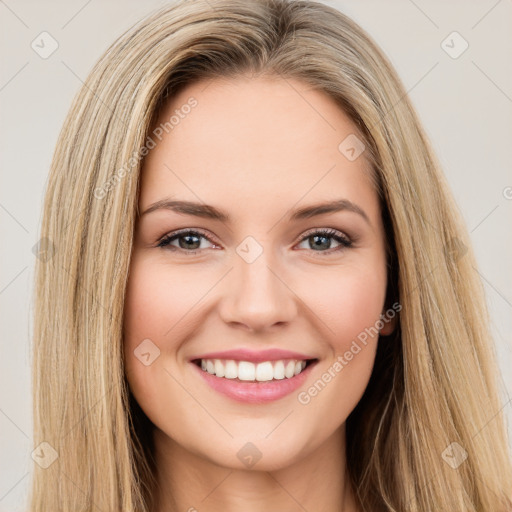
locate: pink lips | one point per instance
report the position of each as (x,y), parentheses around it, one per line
(254,392)
(271,354)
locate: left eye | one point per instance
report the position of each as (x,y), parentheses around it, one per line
(190,241)
(317,239)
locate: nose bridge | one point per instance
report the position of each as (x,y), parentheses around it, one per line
(257,295)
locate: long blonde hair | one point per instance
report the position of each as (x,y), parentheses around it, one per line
(435,380)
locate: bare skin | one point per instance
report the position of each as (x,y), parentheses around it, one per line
(258,149)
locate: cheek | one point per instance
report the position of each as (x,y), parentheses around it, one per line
(154,304)
(349,303)
(356,307)
(350,309)
(159,302)
(162,307)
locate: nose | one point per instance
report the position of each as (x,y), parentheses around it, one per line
(257,296)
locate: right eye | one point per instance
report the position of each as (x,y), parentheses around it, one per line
(189,241)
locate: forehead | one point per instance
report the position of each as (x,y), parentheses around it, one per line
(253,142)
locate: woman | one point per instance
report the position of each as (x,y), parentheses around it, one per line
(256,370)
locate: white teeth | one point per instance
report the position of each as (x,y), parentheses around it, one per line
(248,371)
(219,368)
(279,370)
(264,371)
(231,370)
(289,372)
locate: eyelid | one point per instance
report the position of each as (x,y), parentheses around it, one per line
(198,231)
(331,231)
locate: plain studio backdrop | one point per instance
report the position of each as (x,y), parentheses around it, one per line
(453,58)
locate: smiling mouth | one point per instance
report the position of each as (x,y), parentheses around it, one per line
(247,371)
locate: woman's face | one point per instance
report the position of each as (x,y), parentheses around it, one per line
(256,291)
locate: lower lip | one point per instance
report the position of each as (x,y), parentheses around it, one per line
(255,392)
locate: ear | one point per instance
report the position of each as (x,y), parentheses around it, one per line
(389,323)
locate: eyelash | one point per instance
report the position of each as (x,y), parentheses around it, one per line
(344,241)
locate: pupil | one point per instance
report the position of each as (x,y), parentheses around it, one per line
(187,238)
(315,237)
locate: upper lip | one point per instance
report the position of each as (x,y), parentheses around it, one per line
(271,354)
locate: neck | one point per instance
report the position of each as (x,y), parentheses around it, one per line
(191,483)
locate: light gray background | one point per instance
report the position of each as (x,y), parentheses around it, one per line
(464,103)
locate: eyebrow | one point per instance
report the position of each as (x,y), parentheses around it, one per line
(211,212)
